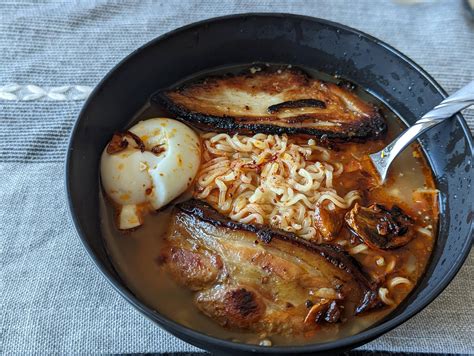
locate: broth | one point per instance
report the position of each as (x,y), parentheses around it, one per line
(134,254)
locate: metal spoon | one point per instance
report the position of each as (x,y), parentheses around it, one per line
(461,99)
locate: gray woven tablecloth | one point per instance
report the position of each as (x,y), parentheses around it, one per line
(52,299)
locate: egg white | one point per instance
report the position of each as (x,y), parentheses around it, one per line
(140,181)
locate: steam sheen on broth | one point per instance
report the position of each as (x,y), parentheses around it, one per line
(410,185)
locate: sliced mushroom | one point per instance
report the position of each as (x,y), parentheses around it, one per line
(333,314)
(380,227)
(328,220)
(324,310)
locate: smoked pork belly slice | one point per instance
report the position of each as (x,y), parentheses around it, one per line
(274,102)
(251,277)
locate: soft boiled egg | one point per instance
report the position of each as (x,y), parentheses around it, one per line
(151,164)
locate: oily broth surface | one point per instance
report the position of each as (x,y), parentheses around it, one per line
(134,253)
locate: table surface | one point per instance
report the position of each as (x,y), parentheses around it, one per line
(52,299)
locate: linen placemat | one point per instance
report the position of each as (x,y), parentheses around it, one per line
(52,299)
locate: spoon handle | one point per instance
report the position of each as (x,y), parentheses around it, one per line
(461,99)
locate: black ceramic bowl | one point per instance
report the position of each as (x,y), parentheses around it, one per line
(277,38)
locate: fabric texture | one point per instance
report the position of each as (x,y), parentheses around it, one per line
(52,298)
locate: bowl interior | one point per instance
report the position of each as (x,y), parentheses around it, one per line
(296,40)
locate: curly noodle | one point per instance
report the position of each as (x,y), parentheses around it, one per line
(269,179)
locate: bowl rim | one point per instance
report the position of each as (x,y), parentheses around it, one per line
(198,338)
